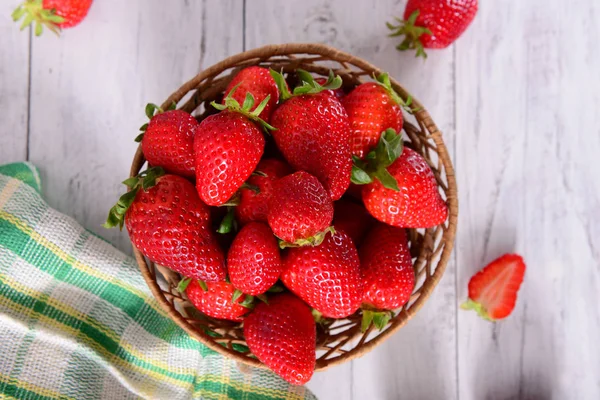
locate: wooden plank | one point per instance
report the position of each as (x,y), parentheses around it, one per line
(14,84)
(527,143)
(89,89)
(404,366)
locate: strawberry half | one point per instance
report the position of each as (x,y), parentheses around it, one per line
(493,290)
(169,224)
(259,82)
(215,300)
(283,334)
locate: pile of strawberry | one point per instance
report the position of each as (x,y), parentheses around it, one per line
(284,207)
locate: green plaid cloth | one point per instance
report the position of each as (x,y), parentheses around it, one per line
(77,320)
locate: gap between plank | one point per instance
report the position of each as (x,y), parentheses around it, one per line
(27,133)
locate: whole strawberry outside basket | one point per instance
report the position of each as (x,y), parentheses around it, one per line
(342,340)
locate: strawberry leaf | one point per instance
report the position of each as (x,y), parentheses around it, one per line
(386,179)
(183,284)
(263,298)
(276,288)
(281,85)
(359,176)
(237,293)
(315,240)
(203,285)
(32,11)
(310,85)
(260,173)
(367,320)
(228,222)
(248,302)
(381,319)
(411,32)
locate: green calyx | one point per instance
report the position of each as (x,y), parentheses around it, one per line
(478,308)
(183,284)
(375,164)
(309,84)
(33,11)
(411,33)
(151,110)
(228,223)
(378,318)
(384,80)
(247,108)
(145,180)
(311,241)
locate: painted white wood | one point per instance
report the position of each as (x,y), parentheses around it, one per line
(527,144)
(426,345)
(89,89)
(14,83)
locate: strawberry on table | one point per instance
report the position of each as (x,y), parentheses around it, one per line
(282,334)
(259,82)
(400,188)
(493,290)
(300,210)
(170,225)
(253,260)
(313,131)
(353,219)
(326,276)
(433,24)
(215,300)
(53,14)
(254,206)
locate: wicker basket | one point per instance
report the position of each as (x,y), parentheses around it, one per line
(341,341)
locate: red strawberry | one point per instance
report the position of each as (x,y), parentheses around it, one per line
(168,142)
(353,219)
(53,14)
(253,259)
(169,224)
(327,276)
(215,300)
(387,268)
(338,93)
(283,334)
(404,192)
(259,82)
(300,210)
(433,24)
(372,108)
(493,290)
(254,206)
(312,132)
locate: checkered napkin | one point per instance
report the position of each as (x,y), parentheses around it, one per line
(77,320)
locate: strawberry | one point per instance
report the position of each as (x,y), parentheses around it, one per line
(215,300)
(260,83)
(433,24)
(300,210)
(353,219)
(283,335)
(254,206)
(312,131)
(168,140)
(253,259)
(227,148)
(53,14)
(338,93)
(404,192)
(372,108)
(169,224)
(326,276)
(493,290)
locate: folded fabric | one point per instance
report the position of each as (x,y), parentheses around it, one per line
(77,320)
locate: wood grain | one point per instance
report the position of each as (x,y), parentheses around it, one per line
(427,344)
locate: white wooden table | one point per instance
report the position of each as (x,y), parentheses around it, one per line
(518,100)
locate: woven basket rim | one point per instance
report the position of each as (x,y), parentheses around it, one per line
(424,118)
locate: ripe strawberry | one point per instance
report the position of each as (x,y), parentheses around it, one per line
(254,206)
(300,210)
(215,300)
(404,192)
(387,269)
(353,219)
(283,334)
(327,276)
(168,142)
(372,108)
(493,290)
(169,224)
(312,132)
(260,83)
(53,14)
(433,24)
(338,93)
(253,260)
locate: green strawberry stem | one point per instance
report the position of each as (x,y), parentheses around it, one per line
(478,308)
(228,223)
(310,241)
(183,284)
(151,110)
(245,109)
(248,301)
(411,33)
(378,318)
(237,293)
(384,80)
(309,84)
(375,164)
(33,11)
(144,180)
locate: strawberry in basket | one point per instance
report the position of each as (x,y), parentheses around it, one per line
(258,82)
